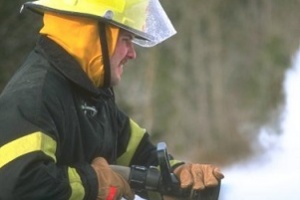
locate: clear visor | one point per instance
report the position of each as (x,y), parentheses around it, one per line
(157,25)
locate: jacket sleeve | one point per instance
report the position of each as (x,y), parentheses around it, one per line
(137,148)
(29,143)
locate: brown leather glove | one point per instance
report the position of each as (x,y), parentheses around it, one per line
(198,176)
(111,185)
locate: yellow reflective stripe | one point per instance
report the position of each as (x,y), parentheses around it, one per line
(137,134)
(76,184)
(174,162)
(36,141)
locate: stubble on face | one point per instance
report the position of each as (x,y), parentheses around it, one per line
(123,51)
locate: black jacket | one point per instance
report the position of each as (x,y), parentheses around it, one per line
(54,122)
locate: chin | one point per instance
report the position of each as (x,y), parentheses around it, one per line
(115,82)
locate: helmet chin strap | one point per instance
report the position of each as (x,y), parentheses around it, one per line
(105,54)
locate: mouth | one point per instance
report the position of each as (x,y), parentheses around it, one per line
(123,62)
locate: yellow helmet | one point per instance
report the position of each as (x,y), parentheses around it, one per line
(146,19)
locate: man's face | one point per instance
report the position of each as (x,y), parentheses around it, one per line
(124,51)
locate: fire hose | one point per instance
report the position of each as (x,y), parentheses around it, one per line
(162,180)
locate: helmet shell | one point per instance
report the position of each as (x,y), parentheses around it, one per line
(146,19)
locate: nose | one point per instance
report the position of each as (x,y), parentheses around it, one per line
(131,54)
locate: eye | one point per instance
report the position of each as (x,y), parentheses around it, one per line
(128,38)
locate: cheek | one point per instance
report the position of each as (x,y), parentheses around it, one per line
(115,58)
(121,54)
(120,51)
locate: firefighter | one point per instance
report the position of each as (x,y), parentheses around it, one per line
(60,127)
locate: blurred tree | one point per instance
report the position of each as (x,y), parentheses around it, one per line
(18,33)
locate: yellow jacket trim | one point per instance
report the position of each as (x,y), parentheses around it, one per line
(137,134)
(36,141)
(175,162)
(76,184)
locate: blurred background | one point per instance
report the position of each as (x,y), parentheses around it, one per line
(208,90)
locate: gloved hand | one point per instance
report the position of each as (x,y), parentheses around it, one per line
(111,185)
(198,176)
